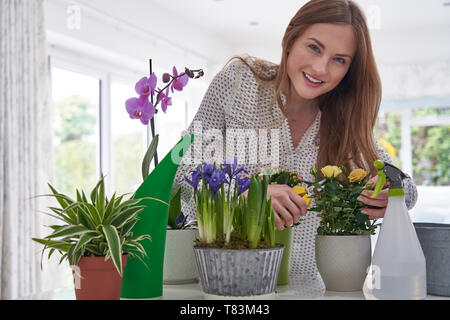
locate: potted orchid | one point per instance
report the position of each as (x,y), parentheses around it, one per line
(138,281)
(236,232)
(343,245)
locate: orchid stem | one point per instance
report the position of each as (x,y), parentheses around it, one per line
(152,120)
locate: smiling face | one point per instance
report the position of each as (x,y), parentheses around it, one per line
(319,59)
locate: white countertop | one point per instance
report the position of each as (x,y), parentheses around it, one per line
(193,291)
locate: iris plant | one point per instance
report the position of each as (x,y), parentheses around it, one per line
(222,209)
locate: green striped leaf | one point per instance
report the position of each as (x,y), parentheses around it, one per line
(94,214)
(114,246)
(68,231)
(58,245)
(86,238)
(126,215)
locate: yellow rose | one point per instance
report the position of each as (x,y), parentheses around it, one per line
(331,171)
(357,175)
(307,199)
(301,191)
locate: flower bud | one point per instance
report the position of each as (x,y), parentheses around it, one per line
(166,77)
(189,73)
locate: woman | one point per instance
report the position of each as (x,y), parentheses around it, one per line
(319,104)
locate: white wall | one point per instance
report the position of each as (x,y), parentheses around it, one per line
(126,41)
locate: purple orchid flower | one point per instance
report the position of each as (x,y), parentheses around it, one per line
(140,108)
(165,100)
(146,86)
(180,82)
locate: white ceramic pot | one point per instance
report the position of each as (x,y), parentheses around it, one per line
(179,259)
(343,261)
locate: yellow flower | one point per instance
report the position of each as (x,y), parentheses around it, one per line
(301,191)
(331,171)
(357,175)
(388,147)
(307,199)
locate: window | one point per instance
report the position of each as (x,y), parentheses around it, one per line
(418,140)
(129,140)
(76,130)
(169,125)
(431,149)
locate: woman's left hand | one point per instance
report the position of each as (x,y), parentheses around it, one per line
(380,200)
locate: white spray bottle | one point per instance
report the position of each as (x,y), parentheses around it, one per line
(398,269)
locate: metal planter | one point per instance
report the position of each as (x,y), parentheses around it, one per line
(238,273)
(434,239)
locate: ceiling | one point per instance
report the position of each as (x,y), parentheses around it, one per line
(402,30)
(232,20)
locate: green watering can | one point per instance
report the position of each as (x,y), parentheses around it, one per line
(138,281)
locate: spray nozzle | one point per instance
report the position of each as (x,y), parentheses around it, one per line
(389,172)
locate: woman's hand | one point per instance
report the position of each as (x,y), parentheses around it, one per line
(286,204)
(380,200)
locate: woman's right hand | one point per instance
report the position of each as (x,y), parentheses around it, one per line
(286,204)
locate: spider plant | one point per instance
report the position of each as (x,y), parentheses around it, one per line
(96,226)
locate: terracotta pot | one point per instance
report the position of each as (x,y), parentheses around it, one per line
(97,279)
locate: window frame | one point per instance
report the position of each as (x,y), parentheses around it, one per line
(405,107)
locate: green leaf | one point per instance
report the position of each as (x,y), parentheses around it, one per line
(127,227)
(151,151)
(68,231)
(126,216)
(101,199)
(94,214)
(86,238)
(174,207)
(114,246)
(109,207)
(95,190)
(58,245)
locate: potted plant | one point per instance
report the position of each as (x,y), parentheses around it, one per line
(179,244)
(343,246)
(292,179)
(96,239)
(236,254)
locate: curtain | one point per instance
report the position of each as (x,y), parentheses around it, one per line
(25,143)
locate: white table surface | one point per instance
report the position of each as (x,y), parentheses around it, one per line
(192,291)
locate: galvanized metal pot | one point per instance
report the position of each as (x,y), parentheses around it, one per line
(239,272)
(342,261)
(434,239)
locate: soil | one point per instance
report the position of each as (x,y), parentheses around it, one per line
(235,243)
